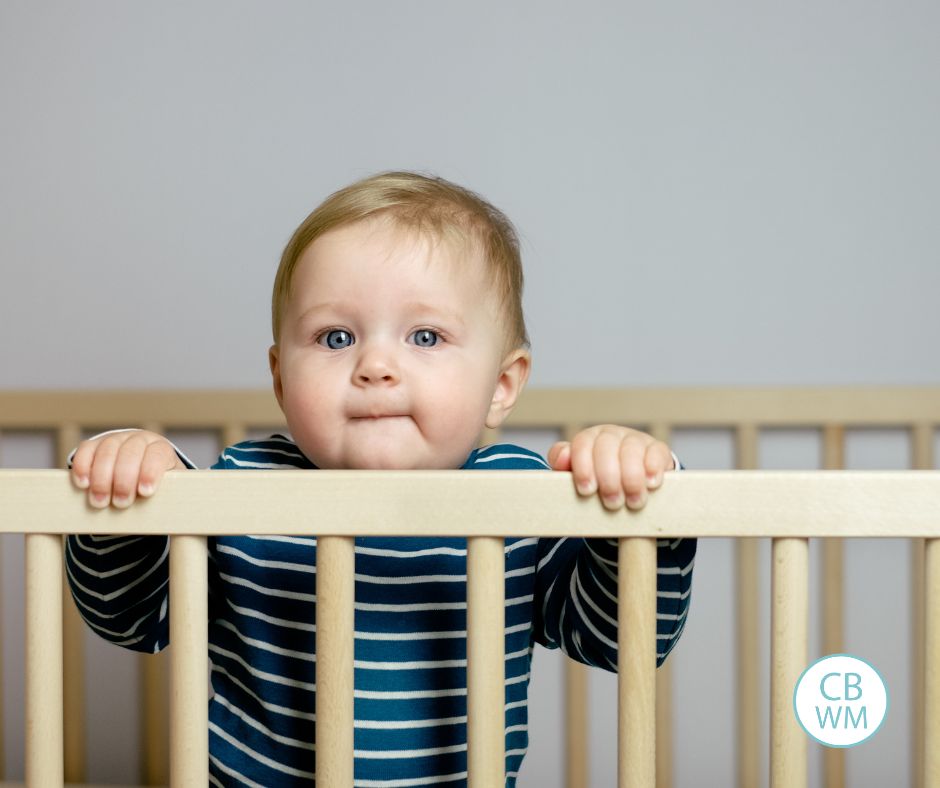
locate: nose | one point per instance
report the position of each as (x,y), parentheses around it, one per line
(376,366)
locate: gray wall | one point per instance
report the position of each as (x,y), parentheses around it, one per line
(720,193)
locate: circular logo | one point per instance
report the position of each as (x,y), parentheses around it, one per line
(840,700)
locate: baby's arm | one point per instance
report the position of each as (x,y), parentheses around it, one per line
(116,467)
(577,579)
(120,583)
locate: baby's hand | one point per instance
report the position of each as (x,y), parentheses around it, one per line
(619,463)
(118,466)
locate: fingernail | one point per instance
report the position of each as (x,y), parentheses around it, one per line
(81,482)
(120,501)
(635,501)
(99,500)
(145,489)
(654,480)
(586,488)
(613,501)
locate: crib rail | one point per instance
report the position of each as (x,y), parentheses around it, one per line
(487,503)
(788,507)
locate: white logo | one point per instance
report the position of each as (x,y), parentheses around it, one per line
(840,700)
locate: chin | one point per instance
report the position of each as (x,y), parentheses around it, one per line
(391,464)
(396,458)
(379,456)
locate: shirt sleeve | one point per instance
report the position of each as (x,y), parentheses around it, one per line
(120,584)
(576,597)
(576,585)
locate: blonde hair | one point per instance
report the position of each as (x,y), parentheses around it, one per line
(428,205)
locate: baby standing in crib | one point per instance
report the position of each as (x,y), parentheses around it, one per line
(398,336)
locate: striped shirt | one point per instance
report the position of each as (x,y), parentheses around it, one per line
(410,701)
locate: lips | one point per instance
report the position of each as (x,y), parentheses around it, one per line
(375,410)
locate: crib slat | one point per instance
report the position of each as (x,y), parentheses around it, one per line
(486,662)
(918,645)
(154,670)
(748,619)
(490,436)
(833,613)
(73,632)
(336,587)
(922,460)
(189,655)
(664,727)
(68,436)
(931,741)
(3,767)
(154,718)
(576,722)
(636,663)
(44,728)
(789,645)
(577,715)
(832,582)
(747,691)
(664,681)
(232,433)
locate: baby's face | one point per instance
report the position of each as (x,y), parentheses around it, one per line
(391,351)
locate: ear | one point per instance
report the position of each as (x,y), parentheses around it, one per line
(275,364)
(513,375)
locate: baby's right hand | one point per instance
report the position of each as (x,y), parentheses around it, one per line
(117,467)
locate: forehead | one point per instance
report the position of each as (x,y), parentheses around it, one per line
(368,253)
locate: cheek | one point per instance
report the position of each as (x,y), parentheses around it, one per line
(457,402)
(308,401)
(305,377)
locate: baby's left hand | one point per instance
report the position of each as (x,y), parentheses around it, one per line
(619,463)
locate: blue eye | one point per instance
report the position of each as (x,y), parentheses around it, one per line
(425,337)
(337,339)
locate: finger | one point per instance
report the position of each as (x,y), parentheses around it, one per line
(607,468)
(658,461)
(582,461)
(159,458)
(127,470)
(559,456)
(101,471)
(632,469)
(81,463)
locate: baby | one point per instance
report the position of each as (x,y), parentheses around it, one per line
(398,337)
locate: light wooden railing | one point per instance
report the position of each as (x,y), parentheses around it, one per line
(788,507)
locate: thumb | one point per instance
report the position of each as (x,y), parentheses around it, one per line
(559,456)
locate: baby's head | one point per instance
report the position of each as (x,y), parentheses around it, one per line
(398,325)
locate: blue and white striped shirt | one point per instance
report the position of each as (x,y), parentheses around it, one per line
(410,633)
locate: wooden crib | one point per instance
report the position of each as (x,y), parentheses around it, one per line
(787,507)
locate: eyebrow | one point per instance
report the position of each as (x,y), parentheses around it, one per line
(417,306)
(326,305)
(420,306)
